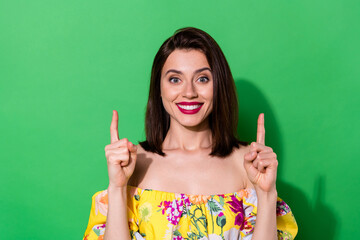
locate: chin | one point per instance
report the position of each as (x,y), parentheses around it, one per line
(191,123)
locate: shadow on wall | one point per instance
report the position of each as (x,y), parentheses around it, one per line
(315,220)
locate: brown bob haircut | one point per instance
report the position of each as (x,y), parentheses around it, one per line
(224,117)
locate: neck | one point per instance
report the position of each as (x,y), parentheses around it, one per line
(194,138)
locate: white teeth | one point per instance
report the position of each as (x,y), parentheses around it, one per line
(189,107)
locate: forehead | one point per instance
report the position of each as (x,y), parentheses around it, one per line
(185,60)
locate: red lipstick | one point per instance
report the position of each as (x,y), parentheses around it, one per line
(189,107)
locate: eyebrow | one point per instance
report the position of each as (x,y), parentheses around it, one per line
(179,72)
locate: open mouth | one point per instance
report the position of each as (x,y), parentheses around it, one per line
(189,107)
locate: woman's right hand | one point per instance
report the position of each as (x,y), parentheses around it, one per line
(120,155)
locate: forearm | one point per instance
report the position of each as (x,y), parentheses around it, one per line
(117,220)
(265,226)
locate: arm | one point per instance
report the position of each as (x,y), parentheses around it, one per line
(261,164)
(265,227)
(121,159)
(117,223)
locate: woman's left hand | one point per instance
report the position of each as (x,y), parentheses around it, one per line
(261,162)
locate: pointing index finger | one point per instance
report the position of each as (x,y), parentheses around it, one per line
(260,138)
(114,134)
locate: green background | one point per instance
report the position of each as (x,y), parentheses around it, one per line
(65,65)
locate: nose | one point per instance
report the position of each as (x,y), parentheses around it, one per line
(189,90)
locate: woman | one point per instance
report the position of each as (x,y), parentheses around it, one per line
(191,178)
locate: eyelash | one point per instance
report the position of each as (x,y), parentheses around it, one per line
(207,79)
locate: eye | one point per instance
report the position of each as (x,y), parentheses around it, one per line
(203,79)
(174,80)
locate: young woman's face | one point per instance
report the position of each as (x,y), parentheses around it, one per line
(187,87)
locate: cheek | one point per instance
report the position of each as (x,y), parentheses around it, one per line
(207,93)
(168,94)
(168,98)
(209,96)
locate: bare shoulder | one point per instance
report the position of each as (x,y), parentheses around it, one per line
(238,153)
(238,158)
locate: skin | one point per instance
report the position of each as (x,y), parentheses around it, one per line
(187,145)
(187,131)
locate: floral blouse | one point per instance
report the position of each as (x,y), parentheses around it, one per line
(154,214)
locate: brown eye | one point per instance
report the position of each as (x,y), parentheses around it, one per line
(174,80)
(203,79)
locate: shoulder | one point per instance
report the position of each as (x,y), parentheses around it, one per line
(143,160)
(238,153)
(237,156)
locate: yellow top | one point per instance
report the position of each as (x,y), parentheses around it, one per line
(155,214)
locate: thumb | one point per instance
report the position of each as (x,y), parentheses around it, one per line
(132,148)
(249,157)
(248,164)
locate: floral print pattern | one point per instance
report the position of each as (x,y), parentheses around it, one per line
(174,209)
(154,214)
(284,235)
(236,206)
(101,203)
(282,208)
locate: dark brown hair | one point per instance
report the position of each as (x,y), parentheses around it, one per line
(224,116)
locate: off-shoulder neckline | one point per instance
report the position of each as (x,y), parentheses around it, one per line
(193,195)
